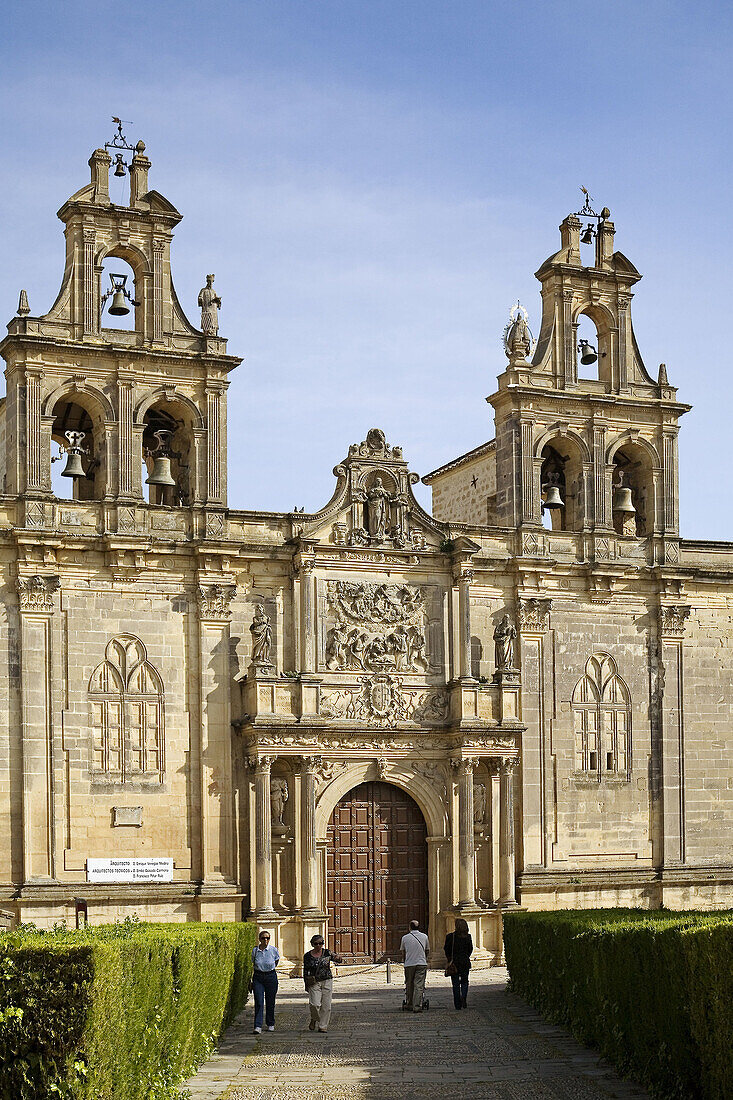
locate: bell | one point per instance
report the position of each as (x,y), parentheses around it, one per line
(588,353)
(119,166)
(553,498)
(622,501)
(586,237)
(119,307)
(161,474)
(73,467)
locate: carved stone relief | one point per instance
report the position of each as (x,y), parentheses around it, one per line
(533,614)
(377,628)
(381,701)
(36,593)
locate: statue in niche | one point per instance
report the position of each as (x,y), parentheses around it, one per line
(279,795)
(504,638)
(261,637)
(210,304)
(378,509)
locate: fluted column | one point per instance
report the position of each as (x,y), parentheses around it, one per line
(507,873)
(464,623)
(309,855)
(263,834)
(466,848)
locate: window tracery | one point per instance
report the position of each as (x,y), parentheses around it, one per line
(127,714)
(602,720)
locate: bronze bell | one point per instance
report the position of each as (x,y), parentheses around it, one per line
(588,353)
(119,307)
(119,165)
(587,235)
(73,467)
(553,498)
(622,501)
(161,474)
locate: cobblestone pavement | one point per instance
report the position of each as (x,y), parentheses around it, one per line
(497,1049)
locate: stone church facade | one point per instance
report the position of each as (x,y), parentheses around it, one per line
(337,721)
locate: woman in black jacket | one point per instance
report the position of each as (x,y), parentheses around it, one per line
(318,979)
(458,950)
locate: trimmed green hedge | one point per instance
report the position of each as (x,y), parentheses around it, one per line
(652,990)
(116,1012)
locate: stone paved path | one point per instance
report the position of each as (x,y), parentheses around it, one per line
(498,1049)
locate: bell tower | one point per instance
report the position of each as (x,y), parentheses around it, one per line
(577,453)
(133,411)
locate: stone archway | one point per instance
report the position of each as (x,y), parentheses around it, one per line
(376,871)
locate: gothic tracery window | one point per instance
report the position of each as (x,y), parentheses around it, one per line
(127,712)
(602,720)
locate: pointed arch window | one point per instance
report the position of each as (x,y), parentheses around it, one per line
(602,720)
(127,715)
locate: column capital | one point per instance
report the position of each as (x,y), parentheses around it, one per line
(310,763)
(533,614)
(36,593)
(261,764)
(214,601)
(464,765)
(507,765)
(672,618)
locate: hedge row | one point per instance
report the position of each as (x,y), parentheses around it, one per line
(653,991)
(116,1012)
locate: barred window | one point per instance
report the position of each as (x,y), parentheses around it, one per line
(127,712)
(602,720)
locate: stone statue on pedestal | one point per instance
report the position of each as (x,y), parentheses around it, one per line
(210,303)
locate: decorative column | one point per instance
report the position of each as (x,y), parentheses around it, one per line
(215,761)
(125,467)
(507,873)
(464,623)
(263,835)
(669,762)
(466,846)
(307,637)
(533,621)
(36,477)
(213,423)
(89,280)
(158,262)
(309,855)
(35,601)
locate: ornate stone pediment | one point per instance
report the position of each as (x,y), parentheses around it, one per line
(373,506)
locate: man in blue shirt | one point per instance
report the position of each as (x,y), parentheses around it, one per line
(264,981)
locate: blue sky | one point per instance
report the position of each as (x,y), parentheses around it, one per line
(374,185)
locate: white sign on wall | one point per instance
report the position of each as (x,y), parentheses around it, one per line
(130,870)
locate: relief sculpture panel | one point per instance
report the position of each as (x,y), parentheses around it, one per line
(375,628)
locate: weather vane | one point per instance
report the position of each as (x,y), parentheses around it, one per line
(119,141)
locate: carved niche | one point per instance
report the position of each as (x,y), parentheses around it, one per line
(378,628)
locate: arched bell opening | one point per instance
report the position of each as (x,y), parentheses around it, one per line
(561,483)
(632,501)
(592,341)
(120,295)
(78,466)
(168,474)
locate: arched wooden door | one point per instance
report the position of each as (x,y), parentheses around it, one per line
(376,872)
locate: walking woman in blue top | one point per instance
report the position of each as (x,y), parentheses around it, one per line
(264,982)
